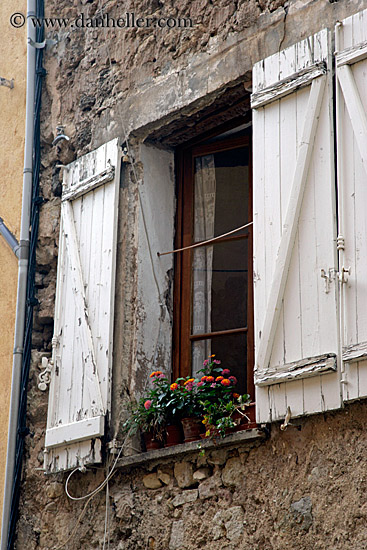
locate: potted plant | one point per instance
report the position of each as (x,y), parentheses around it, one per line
(221,405)
(187,406)
(153,414)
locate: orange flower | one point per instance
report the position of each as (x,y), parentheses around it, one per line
(210,378)
(219,378)
(236,395)
(204,378)
(155,373)
(212,355)
(189,381)
(174,386)
(225,382)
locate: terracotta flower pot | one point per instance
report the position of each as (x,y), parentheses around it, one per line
(191,428)
(150,441)
(245,423)
(173,435)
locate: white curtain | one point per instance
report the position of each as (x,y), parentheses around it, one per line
(204,213)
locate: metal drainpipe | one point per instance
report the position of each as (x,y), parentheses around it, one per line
(9,238)
(22,272)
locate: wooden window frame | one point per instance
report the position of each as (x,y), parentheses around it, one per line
(182,337)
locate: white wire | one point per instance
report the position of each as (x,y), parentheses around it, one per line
(100,487)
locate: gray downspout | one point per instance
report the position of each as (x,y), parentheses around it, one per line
(9,238)
(23,254)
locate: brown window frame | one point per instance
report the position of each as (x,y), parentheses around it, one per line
(182,337)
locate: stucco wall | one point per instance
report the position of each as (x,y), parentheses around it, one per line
(12,121)
(298,489)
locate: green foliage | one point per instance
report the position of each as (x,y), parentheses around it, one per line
(211,396)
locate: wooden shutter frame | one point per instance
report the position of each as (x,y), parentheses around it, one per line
(73,443)
(292,383)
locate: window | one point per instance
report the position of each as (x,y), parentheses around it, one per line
(213,282)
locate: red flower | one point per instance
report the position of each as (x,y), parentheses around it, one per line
(174,386)
(233,379)
(225,382)
(210,378)
(204,378)
(147,404)
(219,378)
(199,384)
(236,395)
(225,371)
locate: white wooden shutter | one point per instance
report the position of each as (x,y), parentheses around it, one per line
(351,74)
(296,339)
(83,328)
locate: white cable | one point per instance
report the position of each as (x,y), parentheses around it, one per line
(100,487)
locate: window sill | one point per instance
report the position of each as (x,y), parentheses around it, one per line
(195,446)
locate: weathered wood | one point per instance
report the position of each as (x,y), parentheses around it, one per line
(87,185)
(305,322)
(81,307)
(351,55)
(297,370)
(355,352)
(75,431)
(82,352)
(351,66)
(290,225)
(355,109)
(287,86)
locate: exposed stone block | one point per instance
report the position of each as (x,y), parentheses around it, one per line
(302,512)
(232,471)
(164,477)
(209,487)
(151,481)
(201,473)
(184,475)
(229,523)
(177,535)
(185,497)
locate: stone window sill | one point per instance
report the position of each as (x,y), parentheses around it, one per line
(195,446)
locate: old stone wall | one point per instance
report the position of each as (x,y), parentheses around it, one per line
(304,488)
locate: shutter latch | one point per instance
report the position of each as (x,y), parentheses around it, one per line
(44,377)
(329,277)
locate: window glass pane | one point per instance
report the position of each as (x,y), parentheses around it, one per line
(221,191)
(230,350)
(219,293)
